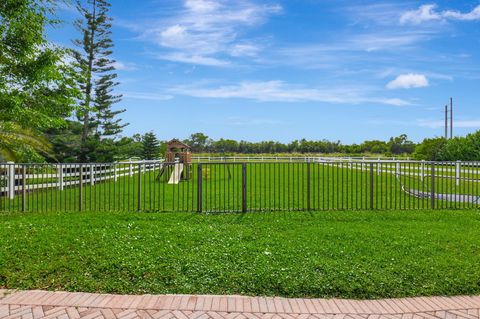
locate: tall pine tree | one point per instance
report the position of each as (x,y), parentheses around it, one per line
(96,77)
(150,146)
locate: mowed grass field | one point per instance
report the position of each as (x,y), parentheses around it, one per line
(269,187)
(297,254)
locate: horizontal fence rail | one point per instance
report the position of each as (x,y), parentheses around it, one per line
(231,186)
(241,159)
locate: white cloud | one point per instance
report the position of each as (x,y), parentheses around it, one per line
(244,49)
(395,101)
(210,30)
(424,13)
(201,5)
(408,81)
(279,91)
(194,59)
(428,12)
(121,66)
(470,16)
(387,41)
(352,52)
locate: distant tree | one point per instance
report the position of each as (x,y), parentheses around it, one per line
(462,148)
(225,146)
(150,146)
(401,145)
(374,147)
(96,76)
(66,142)
(36,88)
(429,149)
(199,142)
(129,147)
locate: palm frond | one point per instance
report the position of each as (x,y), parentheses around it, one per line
(16,140)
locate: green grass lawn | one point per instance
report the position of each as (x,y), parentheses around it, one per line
(323,254)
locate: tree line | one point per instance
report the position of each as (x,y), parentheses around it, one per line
(149,146)
(431,149)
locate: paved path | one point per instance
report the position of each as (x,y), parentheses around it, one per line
(62,305)
(457,198)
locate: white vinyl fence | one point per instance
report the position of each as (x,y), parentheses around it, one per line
(36,177)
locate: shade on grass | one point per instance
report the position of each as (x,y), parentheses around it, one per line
(325,254)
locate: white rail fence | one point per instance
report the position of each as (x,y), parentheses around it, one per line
(59,176)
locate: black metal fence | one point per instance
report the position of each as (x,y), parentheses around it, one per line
(239,187)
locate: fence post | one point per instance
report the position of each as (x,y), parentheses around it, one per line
(244,187)
(397,168)
(130,168)
(60,176)
(432,190)
(11,180)
(80,199)
(139,188)
(199,188)
(422,174)
(92,175)
(371,186)
(115,177)
(24,188)
(378,166)
(457,172)
(308,186)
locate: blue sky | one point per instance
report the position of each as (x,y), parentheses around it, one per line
(290,69)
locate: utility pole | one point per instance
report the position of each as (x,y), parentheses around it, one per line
(447,111)
(451,117)
(446,121)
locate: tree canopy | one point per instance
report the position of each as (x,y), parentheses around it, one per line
(37,89)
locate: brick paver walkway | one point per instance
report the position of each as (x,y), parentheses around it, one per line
(63,305)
